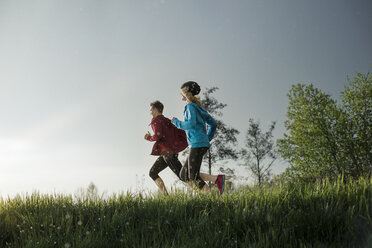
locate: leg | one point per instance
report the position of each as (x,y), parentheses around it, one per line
(207,177)
(184,176)
(219,180)
(174,164)
(158,166)
(161,185)
(195,160)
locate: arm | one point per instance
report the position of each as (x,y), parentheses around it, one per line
(212,126)
(190,119)
(158,132)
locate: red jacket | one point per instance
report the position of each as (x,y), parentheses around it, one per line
(168,138)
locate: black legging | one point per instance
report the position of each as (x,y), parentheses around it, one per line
(163,162)
(191,168)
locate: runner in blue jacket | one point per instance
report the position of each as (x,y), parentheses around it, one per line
(196,119)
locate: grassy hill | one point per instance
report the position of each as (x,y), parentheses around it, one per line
(318,215)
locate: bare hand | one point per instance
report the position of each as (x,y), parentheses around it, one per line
(147,135)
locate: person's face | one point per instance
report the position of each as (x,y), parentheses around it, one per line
(184,98)
(153,111)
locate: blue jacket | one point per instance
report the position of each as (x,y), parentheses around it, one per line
(195,120)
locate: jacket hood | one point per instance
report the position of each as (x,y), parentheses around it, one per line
(201,110)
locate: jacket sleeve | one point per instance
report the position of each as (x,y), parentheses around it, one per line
(189,119)
(212,126)
(158,132)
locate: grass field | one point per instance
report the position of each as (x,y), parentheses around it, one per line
(319,215)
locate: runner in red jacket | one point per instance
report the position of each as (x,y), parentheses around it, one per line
(169,141)
(168,138)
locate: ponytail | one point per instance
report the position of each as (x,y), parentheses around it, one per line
(190,97)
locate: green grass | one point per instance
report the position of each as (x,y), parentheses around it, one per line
(319,215)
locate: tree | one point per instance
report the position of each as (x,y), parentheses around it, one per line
(310,146)
(90,193)
(260,153)
(326,139)
(357,106)
(224,143)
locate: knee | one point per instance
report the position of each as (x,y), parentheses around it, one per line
(153,175)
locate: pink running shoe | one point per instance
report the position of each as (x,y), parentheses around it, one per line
(220,183)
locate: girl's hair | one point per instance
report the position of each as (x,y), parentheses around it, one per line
(190,96)
(191,90)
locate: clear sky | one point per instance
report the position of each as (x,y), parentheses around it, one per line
(77,77)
